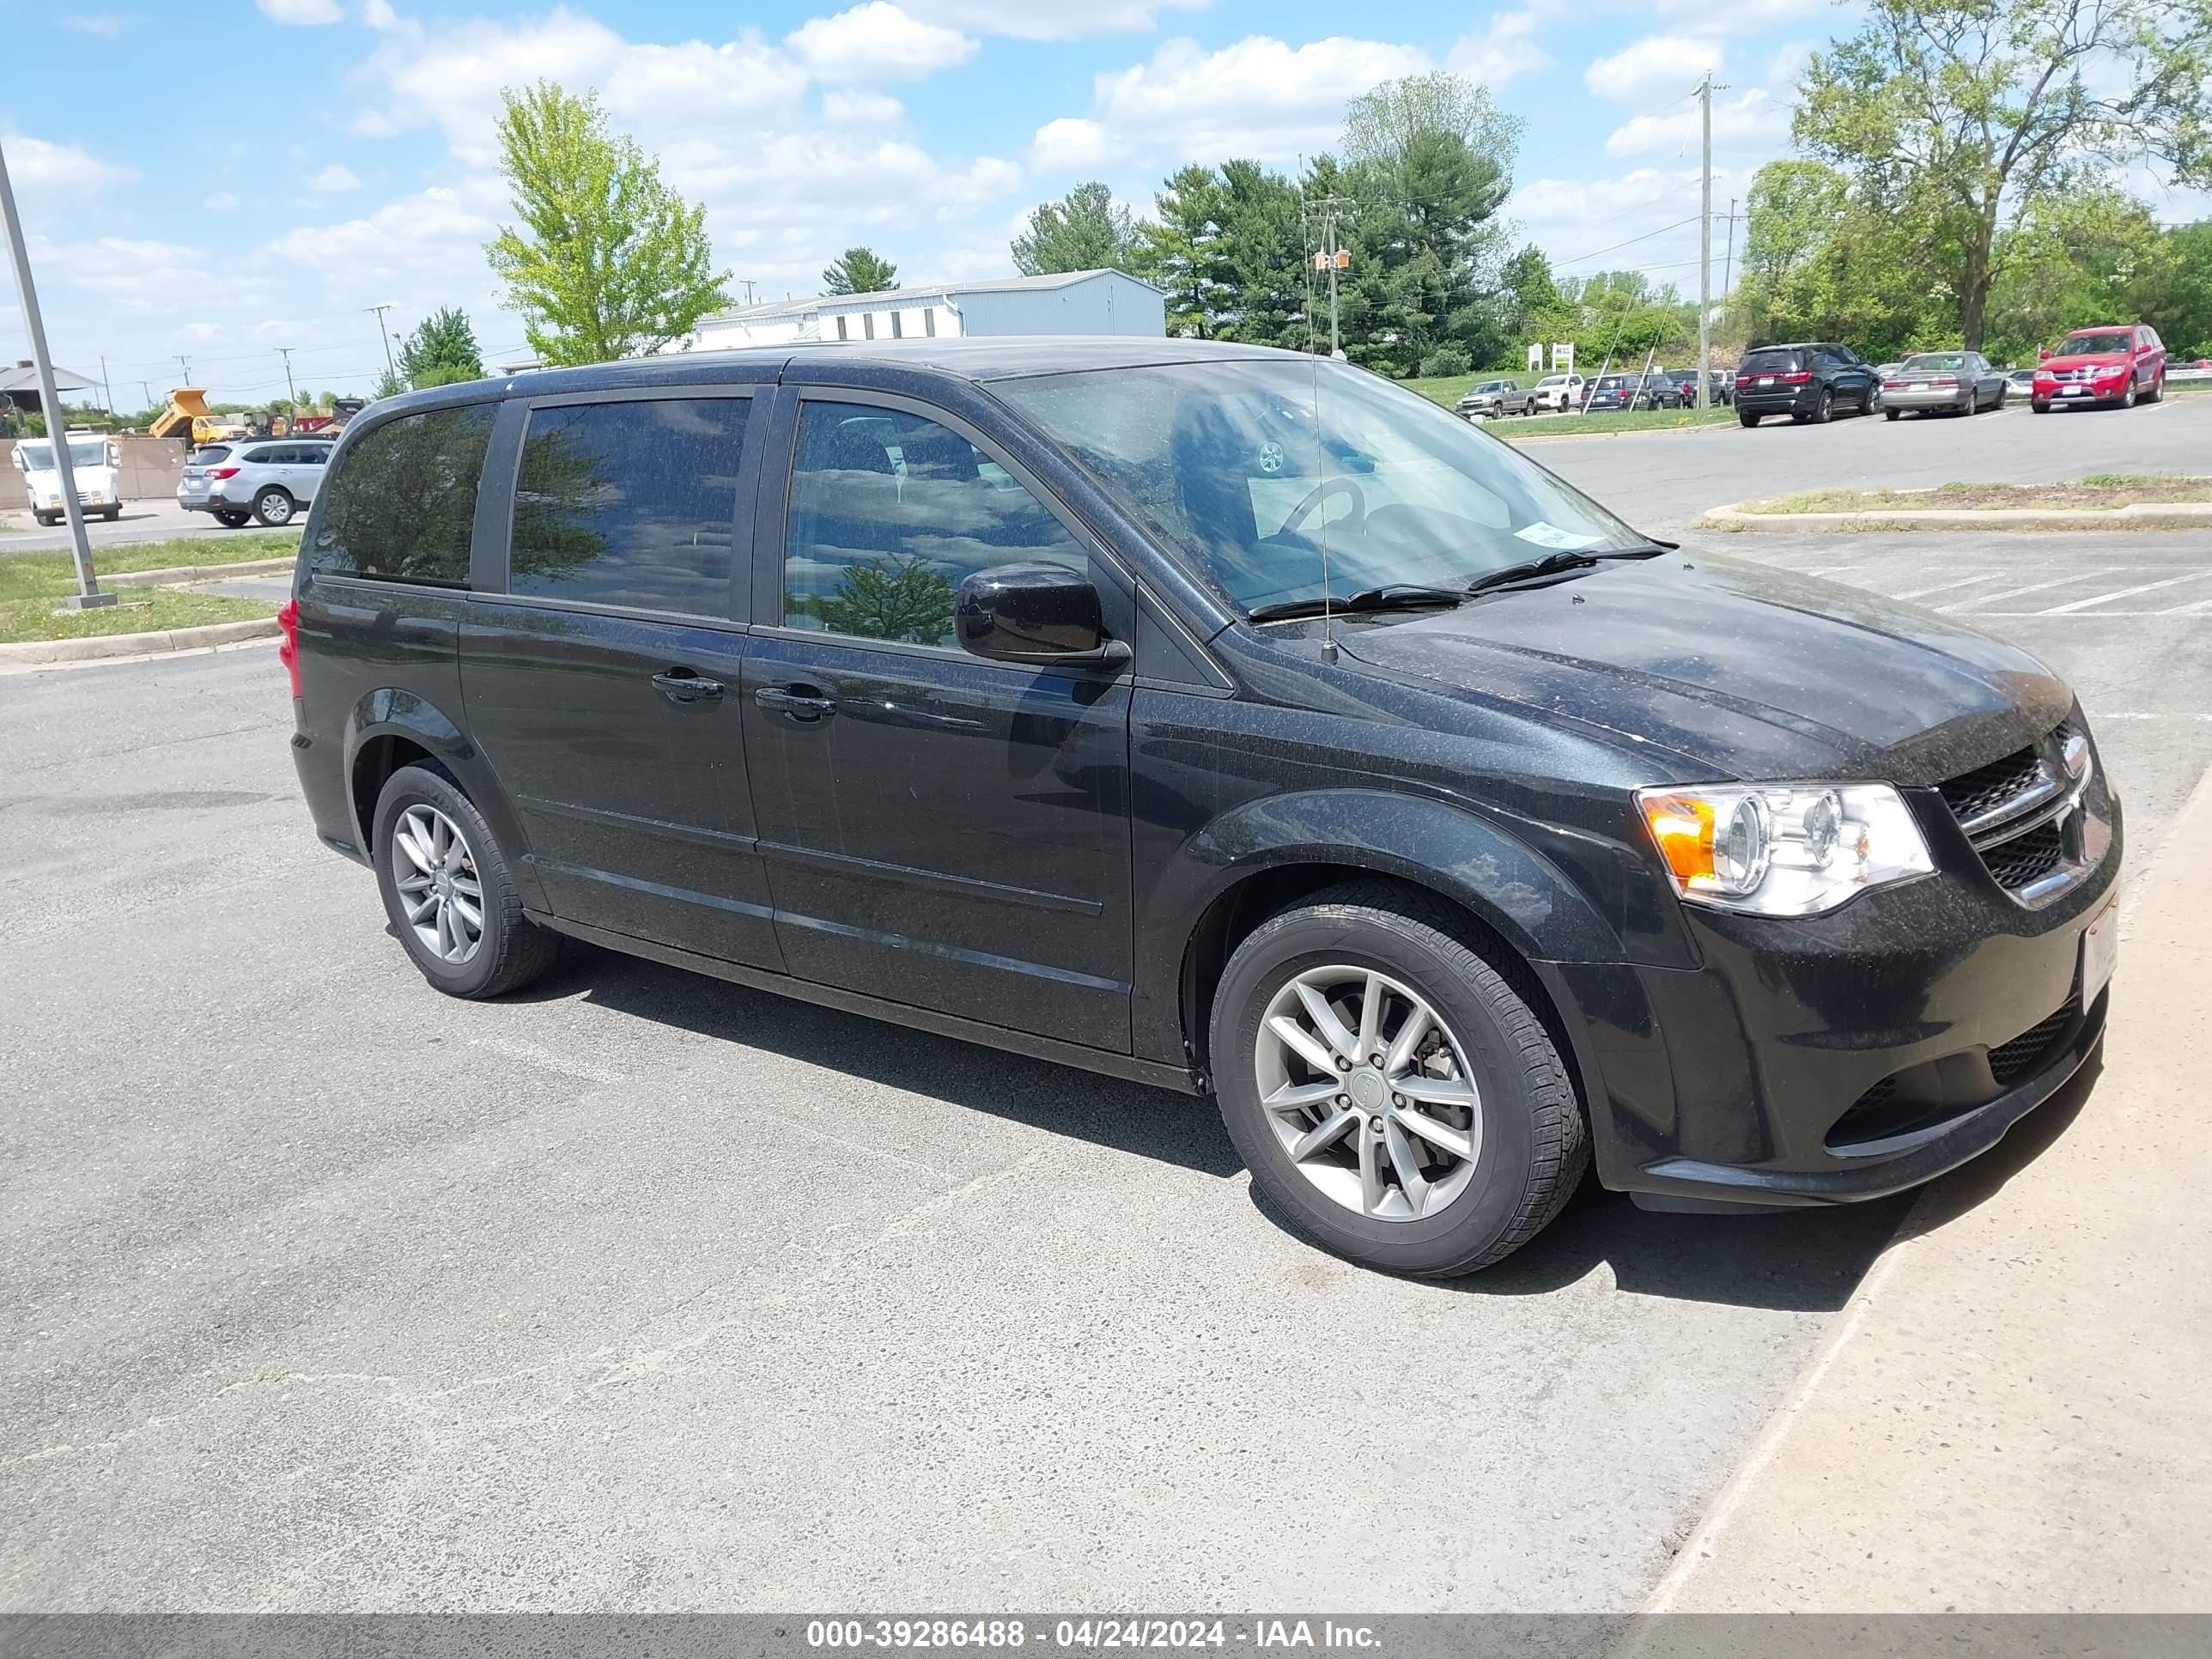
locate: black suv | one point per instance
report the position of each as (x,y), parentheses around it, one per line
(1219,718)
(1807,382)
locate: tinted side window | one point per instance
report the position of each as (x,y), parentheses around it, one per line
(889,513)
(401,507)
(263,457)
(630,504)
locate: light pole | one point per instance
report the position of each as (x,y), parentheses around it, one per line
(87,596)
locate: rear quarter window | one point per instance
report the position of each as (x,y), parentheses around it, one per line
(401,505)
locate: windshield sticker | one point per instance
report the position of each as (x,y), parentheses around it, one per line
(1550,535)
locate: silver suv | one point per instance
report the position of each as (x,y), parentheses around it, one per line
(241,480)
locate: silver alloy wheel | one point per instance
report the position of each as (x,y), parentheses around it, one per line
(275,506)
(436,876)
(1368,1090)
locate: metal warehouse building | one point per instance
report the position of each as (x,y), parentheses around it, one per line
(1064,302)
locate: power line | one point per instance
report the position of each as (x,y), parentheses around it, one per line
(1632,241)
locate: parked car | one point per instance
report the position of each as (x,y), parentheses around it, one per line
(2020,380)
(2112,367)
(248,480)
(1944,383)
(1655,390)
(1559,392)
(95,469)
(1219,718)
(1494,397)
(1720,387)
(1807,381)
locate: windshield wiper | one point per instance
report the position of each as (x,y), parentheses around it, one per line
(1562,563)
(1399,596)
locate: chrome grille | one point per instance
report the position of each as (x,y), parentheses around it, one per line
(2019,814)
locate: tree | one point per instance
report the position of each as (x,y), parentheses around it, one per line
(860,271)
(1174,250)
(609,261)
(442,351)
(890,599)
(1960,116)
(388,385)
(1084,230)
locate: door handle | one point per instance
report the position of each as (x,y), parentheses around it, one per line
(682,685)
(803,703)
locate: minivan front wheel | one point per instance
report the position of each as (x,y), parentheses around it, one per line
(1394,1096)
(448,891)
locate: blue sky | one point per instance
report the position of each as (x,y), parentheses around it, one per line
(219,180)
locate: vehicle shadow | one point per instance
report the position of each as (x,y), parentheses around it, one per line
(1797,1261)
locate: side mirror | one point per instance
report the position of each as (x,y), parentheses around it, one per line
(1038,613)
(114,453)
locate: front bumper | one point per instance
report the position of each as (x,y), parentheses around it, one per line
(1847,1056)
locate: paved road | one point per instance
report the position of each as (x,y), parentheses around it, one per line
(1661,481)
(142,522)
(645,1292)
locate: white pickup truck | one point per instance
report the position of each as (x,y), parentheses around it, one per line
(1563,392)
(94,459)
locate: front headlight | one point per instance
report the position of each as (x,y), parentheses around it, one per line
(1783,849)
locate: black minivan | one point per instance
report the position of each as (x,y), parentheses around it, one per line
(1221,717)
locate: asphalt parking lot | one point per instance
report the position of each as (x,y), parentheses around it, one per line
(642,1291)
(142,522)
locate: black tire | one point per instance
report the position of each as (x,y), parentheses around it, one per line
(2157,392)
(1535,1143)
(2039,408)
(2127,400)
(513,949)
(1746,417)
(1866,401)
(112,515)
(47,518)
(233,520)
(1824,407)
(275,508)
(1895,414)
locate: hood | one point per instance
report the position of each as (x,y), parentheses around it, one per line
(1743,670)
(2086,360)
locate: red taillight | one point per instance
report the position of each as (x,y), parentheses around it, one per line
(288,653)
(223,472)
(1943,380)
(1743,379)
(1893,385)
(1798,379)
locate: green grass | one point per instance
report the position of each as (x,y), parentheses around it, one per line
(1515,428)
(33,584)
(2098,490)
(194,550)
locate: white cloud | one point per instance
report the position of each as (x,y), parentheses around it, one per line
(1259,97)
(1752,123)
(1658,68)
(302,13)
(877,41)
(1738,16)
(37,167)
(203,333)
(221,202)
(105,24)
(135,276)
(1506,48)
(335,179)
(1071,145)
(1070,19)
(850,106)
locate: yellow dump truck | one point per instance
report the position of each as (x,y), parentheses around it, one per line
(189,416)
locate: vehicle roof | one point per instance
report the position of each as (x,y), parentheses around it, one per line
(996,358)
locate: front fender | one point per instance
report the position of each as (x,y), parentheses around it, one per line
(1460,854)
(390,711)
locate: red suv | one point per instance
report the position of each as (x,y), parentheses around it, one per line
(2103,365)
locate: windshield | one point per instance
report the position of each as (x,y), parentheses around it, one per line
(1228,462)
(39,454)
(1928,359)
(2091,345)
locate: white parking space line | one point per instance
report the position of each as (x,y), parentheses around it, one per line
(1945,587)
(2032,588)
(2124,594)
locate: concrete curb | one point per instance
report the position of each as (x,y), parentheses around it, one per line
(2007,1415)
(172,574)
(2145,515)
(156,643)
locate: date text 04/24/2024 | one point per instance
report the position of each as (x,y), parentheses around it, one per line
(1086,1633)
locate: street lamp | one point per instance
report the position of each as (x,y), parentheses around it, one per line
(87,596)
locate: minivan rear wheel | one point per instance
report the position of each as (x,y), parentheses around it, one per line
(448,889)
(1396,1098)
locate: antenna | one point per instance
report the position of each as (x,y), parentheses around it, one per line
(1320,474)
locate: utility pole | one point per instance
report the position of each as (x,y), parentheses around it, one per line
(390,370)
(1706,254)
(87,596)
(1332,256)
(748,282)
(146,391)
(285,352)
(107,392)
(186,364)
